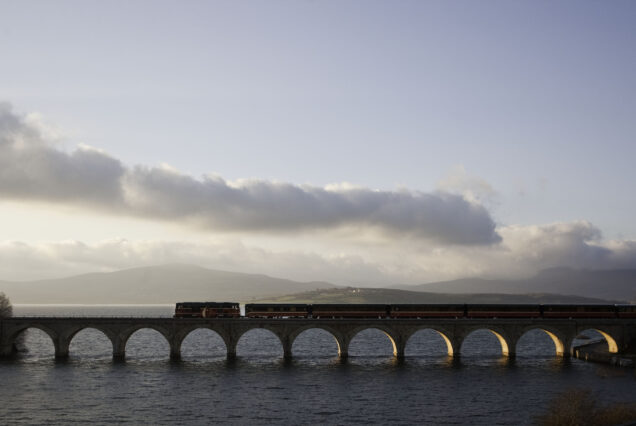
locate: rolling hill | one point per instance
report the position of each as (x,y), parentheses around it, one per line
(617,284)
(383,295)
(178,282)
(154,284)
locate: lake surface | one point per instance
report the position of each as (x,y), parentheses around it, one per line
(315,387)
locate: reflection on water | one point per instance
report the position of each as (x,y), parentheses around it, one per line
(259,387)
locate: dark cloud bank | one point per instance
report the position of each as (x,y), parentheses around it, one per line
(31,168)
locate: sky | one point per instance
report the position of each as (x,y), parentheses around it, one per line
(358,142)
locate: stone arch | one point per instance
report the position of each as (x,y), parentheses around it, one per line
(50,332)
(276,332)
(394,338)
(506,348)
(300,330)
(443,333)
(53,335)
(123,337)
(184,333)
(110,335)
(612,344)
(557,337)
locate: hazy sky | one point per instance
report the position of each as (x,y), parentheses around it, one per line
(361,142)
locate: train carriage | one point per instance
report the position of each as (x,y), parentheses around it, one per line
(503,311)
(427,311)
(626,311)
(276,310)
(350,311)
(579,311)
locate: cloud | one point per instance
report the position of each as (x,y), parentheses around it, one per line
(472,188)
(575,244)
(31,168)
(524,251)
(28,261)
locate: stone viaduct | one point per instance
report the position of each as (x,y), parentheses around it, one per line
(619,333)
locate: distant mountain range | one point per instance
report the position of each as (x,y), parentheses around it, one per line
(616,284)
(383,295)
(173,283)
(154,284)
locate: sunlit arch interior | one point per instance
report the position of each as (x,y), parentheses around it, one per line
(612,346)
(505,350)
(433,332)
(557,342)
(370,337)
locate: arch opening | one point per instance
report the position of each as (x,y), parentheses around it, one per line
(595,335)
(91,343)
(34,344)
(316,343)
(259,343)
(539,342)
(203,344)
(372,342)
(483,343)
(428,342)
(147,344)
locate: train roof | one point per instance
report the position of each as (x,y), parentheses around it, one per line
(352,306)
(207,304)
(263,305)
(434,305)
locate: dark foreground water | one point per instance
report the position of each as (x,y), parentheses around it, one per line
(260,388)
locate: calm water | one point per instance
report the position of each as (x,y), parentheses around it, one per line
(260,388)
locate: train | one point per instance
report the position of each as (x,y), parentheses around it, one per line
(207,310)
(406,311)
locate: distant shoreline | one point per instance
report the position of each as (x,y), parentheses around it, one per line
(90,304)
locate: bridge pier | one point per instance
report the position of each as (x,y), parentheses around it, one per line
(7,350)
(61,349)
(287,353)
(119,350)
(231,343)
(399,350)
(343,348)
(175,353)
